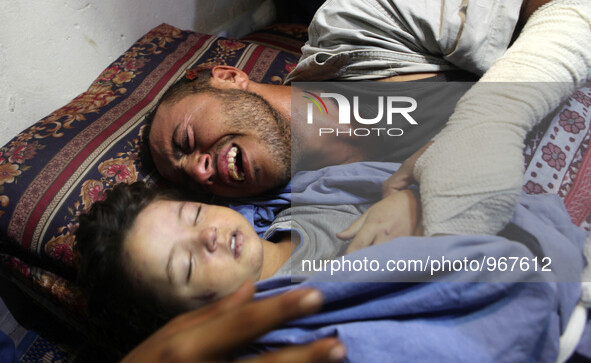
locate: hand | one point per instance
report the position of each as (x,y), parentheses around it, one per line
(394,216)
(403,177)
(212,333)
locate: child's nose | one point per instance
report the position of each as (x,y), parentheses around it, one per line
(208,238)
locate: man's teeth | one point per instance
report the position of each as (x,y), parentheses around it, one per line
(233,170)
(233,244)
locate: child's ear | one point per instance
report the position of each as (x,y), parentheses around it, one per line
(229,77)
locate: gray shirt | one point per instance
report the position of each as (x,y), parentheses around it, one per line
(314,229)
(369,39)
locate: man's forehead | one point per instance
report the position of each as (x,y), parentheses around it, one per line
(160,145)
(194,101)
(162,117)
(171,113)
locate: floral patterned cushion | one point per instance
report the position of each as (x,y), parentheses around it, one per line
(55,169)
(558,158)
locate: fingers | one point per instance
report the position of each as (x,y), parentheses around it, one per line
(353,228)
(209,334)
(364,238)
(193,318)
(373,234)
(324,350)
(392,217)
(247,322)
(360,232)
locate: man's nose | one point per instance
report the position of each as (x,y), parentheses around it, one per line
(203,169)
(208,238)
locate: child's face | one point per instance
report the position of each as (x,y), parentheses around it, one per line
(191,253)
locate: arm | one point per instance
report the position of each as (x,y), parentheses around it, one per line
(467,185)
(214,332)
(403,177)
(471,175)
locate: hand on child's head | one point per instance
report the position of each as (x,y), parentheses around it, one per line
(214,332)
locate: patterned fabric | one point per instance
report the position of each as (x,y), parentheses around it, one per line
(35,348)
(558,161)
(55,169)
(285,37)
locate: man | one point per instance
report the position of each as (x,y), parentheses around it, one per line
(225,152)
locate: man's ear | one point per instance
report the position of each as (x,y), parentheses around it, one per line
(229,77)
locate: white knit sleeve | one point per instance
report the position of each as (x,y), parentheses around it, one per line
(471,176)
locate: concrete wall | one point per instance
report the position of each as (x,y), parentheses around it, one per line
(51,50)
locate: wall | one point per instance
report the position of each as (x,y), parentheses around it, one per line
(50,51)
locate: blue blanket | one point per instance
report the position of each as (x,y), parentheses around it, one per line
(7,349)
(259,211)
(482,316)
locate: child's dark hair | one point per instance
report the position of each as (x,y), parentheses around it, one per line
(119,306)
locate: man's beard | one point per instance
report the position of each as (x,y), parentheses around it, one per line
(247,110)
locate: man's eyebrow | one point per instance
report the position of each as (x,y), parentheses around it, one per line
(173,142)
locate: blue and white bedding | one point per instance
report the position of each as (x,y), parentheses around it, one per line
(459,316)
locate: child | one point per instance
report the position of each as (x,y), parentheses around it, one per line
(147,253)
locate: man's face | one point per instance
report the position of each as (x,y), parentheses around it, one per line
(232,146)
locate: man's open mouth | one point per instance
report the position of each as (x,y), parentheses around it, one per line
(235,167)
